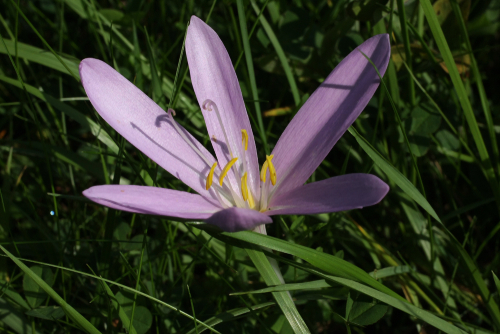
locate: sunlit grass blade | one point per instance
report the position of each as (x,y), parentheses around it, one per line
(70,311)
(283,298)
(393,174)
(382,273)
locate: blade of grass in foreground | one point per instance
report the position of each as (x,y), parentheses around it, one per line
(283,298)
(350,275)
(70,311)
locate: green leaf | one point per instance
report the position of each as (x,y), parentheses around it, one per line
(34,293)
(366,311)
(142,319)
(47,312)
(283,299)
(393,174)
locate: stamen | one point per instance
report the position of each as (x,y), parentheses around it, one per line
(272,171)
(244,188)
(244,139)
(207,104)
(225,170)
(171,114)
(263,172)
(210,176)
(265,165)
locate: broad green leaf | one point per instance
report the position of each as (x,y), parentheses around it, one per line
(366,311)
(142,319)
(34,293)
(393,174)
(47,312)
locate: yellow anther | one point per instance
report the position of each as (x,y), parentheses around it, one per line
(210,176)
(263,171)
(244,139)
(272,171)
(244,187)
(226,169)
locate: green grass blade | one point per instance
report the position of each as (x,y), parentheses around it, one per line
(283,298)
(463,99)
(393,174)
(480,86)
(406,41)
(121,312)
(251,72)
(281,54)
(45,42)
(70,311)
(230,315)
(326,262)
(99,278)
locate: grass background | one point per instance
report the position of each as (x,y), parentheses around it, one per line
(430,132)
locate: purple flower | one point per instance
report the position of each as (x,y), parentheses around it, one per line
(232,192)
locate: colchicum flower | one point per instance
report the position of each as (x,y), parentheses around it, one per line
(232,192)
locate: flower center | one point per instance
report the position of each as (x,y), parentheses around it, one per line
(226,195)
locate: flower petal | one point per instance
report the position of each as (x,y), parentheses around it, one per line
(238,219)
(144,124)
(345,192)
(153,201)
(327,114)
(213,78)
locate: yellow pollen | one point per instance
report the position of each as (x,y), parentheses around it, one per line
(244,139)
(226,169)
(244,187)
(272,171)
(210,176)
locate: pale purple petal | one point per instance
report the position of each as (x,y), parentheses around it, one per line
(346,192)
(144,124)
(327,114)
(213,78)
(153,201)
(238,219)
